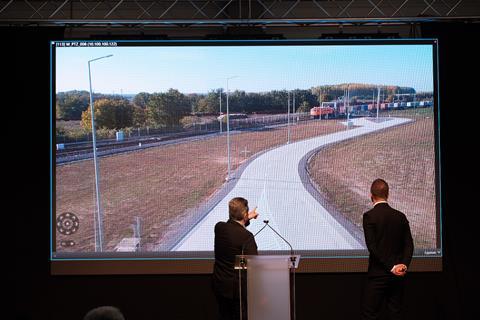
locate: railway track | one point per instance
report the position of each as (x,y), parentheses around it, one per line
(83,150)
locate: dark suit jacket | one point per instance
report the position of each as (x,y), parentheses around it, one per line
(388,238)
(230,236)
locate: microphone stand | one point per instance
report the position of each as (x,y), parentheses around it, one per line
(248,241)
(293,260)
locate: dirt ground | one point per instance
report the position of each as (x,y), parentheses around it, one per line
(404,156)
(160,185)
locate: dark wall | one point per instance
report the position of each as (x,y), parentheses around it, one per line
(440,295)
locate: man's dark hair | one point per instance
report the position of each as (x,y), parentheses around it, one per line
(104,313)
(237,208)
(379,189)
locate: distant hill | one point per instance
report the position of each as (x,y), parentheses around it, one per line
(360,90)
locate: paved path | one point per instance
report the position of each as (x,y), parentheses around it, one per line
(272,183)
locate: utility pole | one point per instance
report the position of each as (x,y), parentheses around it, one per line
(220,111)
(347,106)
(288,117)
(228,132)
(378,101)
(98,225)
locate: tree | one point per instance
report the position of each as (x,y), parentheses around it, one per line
(139,117)
(70,105)
(203,106)
(109,114)
(304,107)
(305,96)
(213,101)
(141,99)
(86,120)
(166,109)
(324,97)
(57,111)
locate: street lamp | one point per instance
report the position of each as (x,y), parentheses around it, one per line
(228,131)
(220,110)
(378,101)
(98,225)
(348,106)
(288,117)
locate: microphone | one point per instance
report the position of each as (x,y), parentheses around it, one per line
(266,224)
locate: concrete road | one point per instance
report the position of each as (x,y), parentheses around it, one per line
(272,183)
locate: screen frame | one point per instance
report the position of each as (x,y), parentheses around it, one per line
(149,264)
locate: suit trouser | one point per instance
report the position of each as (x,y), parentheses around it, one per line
(383,289)
(230,308)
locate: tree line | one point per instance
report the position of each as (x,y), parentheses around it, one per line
(166,109)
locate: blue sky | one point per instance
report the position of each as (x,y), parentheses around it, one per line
(257,68)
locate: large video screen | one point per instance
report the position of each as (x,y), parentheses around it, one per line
(298,128)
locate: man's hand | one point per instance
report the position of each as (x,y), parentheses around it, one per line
(253,214)
(399,270)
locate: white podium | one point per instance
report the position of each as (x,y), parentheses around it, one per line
(270,285)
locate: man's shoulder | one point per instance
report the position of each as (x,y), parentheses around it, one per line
(220,225)
(400,214)
(227,225)
(248,232)
(384,208)
(369,212)
(393,210)
(380,207)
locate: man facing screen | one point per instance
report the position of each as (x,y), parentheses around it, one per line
(230,238)
(389,242)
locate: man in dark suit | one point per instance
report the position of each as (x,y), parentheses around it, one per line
(231,238)
(389,242)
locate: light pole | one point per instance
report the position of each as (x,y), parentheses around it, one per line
(293,107)
(228,131)
(220,111)
(378,101)
(98,225)
(348,106)
(288,117)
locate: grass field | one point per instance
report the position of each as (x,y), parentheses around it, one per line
(404,156)
(161,185)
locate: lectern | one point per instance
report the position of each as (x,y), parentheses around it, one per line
(270,285)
